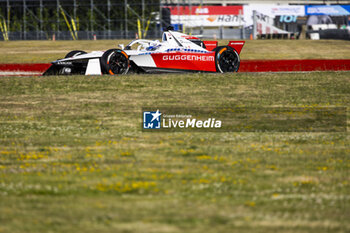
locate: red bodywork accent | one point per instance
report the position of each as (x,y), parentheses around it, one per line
(237,45)
(210,45)
(185,61)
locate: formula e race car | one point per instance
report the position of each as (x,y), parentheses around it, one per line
(177,52)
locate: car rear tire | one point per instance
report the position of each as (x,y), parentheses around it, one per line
(226,59)
(74,53)
(114,62)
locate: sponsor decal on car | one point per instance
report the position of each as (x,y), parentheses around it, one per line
(63,63)
(187,58)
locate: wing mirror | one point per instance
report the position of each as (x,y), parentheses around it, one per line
(121,46)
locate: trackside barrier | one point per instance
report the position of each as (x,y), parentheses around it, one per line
(246,66)
(294,65)
(29,67)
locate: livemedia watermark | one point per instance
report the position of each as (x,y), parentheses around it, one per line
(244,119)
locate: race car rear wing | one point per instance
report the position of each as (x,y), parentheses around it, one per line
(237,45)
(210,45)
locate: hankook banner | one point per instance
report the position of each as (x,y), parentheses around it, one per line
(213,16)
(208,16)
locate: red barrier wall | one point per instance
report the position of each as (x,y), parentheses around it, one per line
(293,65)
(246,66)
(30,67)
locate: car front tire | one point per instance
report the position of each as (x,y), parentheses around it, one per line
(226,59)
(114,62)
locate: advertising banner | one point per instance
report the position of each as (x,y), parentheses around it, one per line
(208,16)
(327,10)
(287,10)
(272,11)
(264,25)
(214,16)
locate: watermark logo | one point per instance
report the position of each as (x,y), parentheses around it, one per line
(151,120)
(170,119)
(245,119)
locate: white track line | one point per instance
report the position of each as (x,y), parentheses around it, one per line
(19,73)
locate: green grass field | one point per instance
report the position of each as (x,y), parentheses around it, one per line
(73,157)
(47,51)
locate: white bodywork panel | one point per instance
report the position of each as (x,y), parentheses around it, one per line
(93,67)
(93,54)
(144,60)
